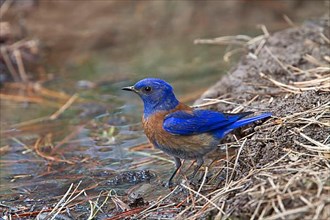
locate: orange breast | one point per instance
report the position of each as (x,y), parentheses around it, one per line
(182,146)
(153,125)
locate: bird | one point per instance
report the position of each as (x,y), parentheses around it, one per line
(179,130)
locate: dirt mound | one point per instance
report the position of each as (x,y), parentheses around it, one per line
(282,169)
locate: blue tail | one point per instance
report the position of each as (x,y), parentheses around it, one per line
(240,123)
(246,121)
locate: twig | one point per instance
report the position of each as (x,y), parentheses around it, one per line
(203,181)
(208,201)
(64,107)
(21,69)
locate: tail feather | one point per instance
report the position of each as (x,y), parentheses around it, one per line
(246,121)
(224,131)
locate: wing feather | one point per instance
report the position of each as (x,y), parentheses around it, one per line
(198,121)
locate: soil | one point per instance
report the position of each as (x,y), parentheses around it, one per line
(280,55)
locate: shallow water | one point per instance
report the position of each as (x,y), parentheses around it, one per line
(99,140)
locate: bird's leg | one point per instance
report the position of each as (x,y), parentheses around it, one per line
(177,165)
(199,163)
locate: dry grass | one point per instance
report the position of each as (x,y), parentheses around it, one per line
(294,186)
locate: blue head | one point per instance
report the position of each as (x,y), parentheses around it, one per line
(156,94)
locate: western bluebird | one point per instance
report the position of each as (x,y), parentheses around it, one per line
(179,130)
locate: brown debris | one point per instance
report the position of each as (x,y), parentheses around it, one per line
(282,171)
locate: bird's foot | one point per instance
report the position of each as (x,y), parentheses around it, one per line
(193,183)
(197,179)
(194,177)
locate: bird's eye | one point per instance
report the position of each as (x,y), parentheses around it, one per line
(147,89)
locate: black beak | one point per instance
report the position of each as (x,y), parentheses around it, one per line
(129,88)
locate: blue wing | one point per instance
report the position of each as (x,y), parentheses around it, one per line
(199,121)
